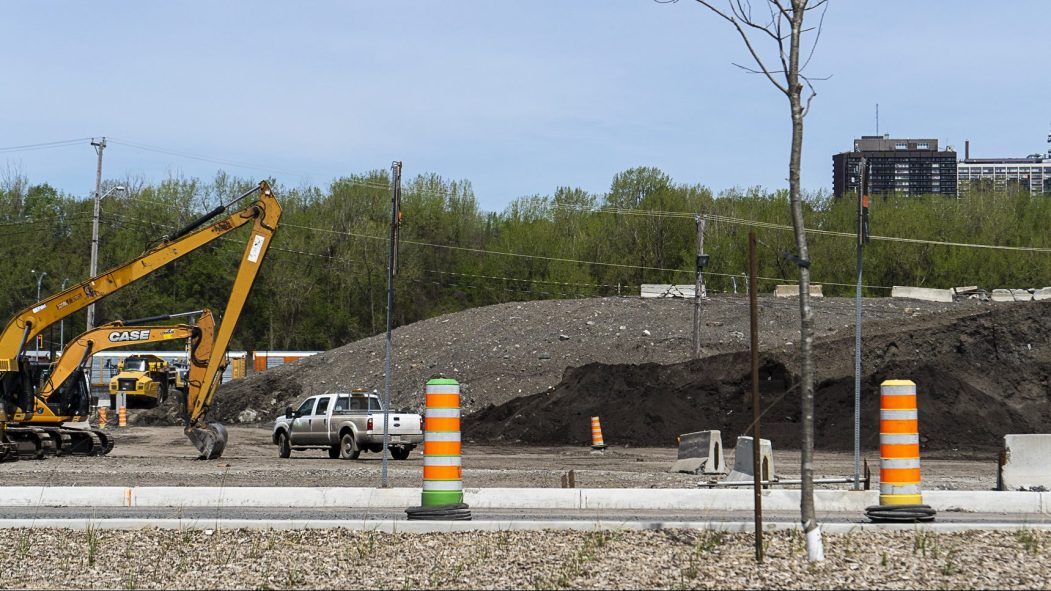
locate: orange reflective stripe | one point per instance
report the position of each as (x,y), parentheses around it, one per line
(889,426)
(442,473)
(903,402)
(441,448)
(899,475)
(899,450)
(443,424)
(443,401)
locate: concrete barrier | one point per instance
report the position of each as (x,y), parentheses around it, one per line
(926,294)
(1025,463)
(1012,295)
(743,461)
(792,290)
(1042,294)
(664,290)
(700,452)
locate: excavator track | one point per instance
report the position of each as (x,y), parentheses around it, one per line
(38,443)
(33,443)
(81,442)
(8,452)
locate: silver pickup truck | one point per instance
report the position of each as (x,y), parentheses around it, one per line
(345,424)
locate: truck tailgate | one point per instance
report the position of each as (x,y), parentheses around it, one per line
(400,423)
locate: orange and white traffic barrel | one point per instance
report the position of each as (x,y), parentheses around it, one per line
(596,434)
(103,416)
(122,417)
(899,444)
(442,468)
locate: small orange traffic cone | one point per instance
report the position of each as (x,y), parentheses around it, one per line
(596,434)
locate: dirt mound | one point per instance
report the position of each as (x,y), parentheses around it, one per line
(979,377)
(504,351)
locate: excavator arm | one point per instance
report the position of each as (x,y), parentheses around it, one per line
(205,372)
(14,393)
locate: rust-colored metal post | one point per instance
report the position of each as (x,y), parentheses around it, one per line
(757,476)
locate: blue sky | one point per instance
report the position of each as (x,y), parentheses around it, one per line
(517,97)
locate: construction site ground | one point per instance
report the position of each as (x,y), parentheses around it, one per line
(162,456)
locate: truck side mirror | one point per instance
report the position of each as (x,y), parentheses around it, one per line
(288,412)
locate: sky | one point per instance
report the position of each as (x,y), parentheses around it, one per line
(519,98)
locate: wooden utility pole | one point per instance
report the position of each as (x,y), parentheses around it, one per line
(699,292)
(99,147)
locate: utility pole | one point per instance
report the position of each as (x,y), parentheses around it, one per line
(62,323)
(392,268)
(99,147)
(39,280)
(699,292)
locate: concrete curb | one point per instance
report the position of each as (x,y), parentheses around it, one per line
(403,526)
(829,501)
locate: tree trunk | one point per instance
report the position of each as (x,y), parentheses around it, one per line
(815,549)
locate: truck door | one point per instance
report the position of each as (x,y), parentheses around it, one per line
(319,422)
(300,427)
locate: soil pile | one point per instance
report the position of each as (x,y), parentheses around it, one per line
(604,356)
(978,377)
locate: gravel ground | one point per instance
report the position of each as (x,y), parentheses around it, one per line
(161,456)
(666,559)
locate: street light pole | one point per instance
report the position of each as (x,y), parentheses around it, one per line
(39,281)
(95,233)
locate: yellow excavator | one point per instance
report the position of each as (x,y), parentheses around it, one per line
(26,421)
(64,388)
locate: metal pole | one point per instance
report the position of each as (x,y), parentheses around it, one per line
(862,180)
(99,147)
(395,200)
(753,304)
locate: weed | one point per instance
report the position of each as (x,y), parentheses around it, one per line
(1029,540)
(23,545)
(711,540)
(94,540)
(131,581)
(949,569)
(883,562)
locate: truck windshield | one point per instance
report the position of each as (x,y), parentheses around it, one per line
(134,365)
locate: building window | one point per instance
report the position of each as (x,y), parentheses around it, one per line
(923,146)
(901,146)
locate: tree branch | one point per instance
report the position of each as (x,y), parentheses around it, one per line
(748,43)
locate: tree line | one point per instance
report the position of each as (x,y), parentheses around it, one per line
(323,283)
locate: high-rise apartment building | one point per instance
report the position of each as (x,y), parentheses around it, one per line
(911,166)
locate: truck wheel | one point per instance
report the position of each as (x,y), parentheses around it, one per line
(400,453)
(348,448)
(284,450)
(333,452)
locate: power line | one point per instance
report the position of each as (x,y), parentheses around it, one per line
(44,145)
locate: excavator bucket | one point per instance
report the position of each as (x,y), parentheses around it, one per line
(209,439)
